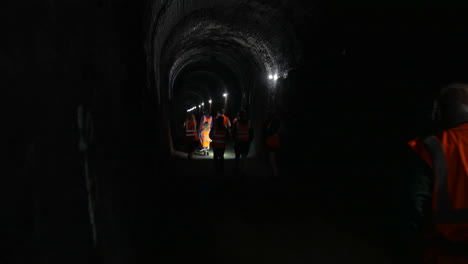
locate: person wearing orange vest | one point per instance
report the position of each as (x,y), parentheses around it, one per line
(205,139)
(272,131)
(191,135)
(206,117)
(441,197)
(219,135)
(243,136)
(227,122)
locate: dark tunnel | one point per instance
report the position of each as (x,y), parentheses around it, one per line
(97,93)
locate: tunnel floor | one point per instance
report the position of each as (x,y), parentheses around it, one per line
(207,218)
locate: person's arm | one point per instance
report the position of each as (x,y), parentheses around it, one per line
(202,121)
(418,201)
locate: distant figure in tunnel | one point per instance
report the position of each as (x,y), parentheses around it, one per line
(272,131)
(440,168)
(206,117)
(227,122)
(205,139)
(243,134)
(191,135)
(219,135)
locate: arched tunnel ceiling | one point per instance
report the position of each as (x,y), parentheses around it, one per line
(216,60)
(209,83)
(240,40)
(251,38)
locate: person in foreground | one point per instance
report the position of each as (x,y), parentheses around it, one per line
(440,197)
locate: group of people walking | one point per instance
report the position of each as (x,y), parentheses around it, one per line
(214,133)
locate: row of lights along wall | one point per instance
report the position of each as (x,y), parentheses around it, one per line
(271,77)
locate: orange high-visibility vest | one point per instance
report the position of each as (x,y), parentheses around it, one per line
(219,139)
(273,141)
(191,130)
(242,132)
(450,194)
(208,119)
(205,138)
(227,122)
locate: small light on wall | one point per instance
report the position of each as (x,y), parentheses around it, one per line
(209,101)
(225,95)
(203,103)
(276,77)
(270,77)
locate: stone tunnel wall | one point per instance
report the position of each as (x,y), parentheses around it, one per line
(59,55)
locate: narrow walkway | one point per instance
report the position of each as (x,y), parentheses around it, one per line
(210,218)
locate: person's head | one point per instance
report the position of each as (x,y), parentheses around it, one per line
(222,111)
(218,113)
(206,112)
(243,118)
(451,105)
(191,117)
(220,122)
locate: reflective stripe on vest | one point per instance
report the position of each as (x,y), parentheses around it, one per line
(243,132)
(190,130)
(205,136)
(444,214)
(218,139)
